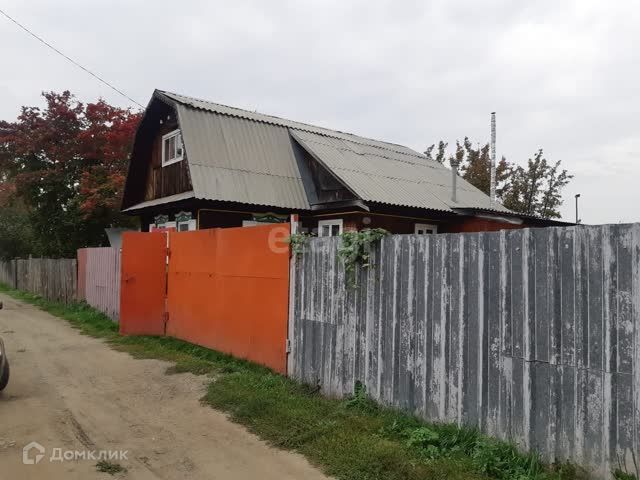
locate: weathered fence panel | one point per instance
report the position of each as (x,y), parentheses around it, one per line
(8,272)
(81,258)
(99,279)
(53,279)
(530,335)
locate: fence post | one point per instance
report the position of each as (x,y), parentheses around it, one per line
(295,228)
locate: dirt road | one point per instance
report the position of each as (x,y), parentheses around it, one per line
(73,393)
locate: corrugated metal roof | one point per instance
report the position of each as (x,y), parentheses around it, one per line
(248,187)
(236,159)
(283,122)
(243,156)
(412,181)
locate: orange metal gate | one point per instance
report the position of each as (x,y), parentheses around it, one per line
(226,289)
(143,283)
(229,290)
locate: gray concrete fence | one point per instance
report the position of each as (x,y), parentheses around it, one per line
(530,335)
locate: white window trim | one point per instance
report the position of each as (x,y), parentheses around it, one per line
(174,133)
(425,226)
(330,223)
(171,224)
(191,223)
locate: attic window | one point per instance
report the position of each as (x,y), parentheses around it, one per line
(172,150)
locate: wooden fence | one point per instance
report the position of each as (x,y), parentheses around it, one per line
(530,335)
(99,279)
(8,272)
(53,279)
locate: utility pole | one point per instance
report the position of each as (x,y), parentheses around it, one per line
(492,187)
(577,195)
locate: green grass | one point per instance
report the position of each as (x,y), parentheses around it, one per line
(351,439)
(620,474)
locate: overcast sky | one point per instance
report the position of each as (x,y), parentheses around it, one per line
(562,76)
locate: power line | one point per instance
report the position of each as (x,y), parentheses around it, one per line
(40,39)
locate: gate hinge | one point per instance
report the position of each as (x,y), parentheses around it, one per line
(288,346)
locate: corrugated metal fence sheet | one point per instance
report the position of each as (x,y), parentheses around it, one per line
(81,258)
(228,289)
(529,335)
(223,288)
(100,268)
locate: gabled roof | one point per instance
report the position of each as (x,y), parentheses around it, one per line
(248,157)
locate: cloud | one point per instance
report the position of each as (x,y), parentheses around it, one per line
(561,75)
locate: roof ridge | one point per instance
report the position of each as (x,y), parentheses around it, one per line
(281,121)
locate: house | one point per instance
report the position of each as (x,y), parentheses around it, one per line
(197,164)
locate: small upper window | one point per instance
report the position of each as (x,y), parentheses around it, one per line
(172,150)
(425,229)
(330,228)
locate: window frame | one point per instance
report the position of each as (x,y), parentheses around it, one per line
(191,225)
(163,226)
(331,223)
(185,218)
(174,133)
(425,226)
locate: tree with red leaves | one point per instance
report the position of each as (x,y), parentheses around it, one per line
(64,168)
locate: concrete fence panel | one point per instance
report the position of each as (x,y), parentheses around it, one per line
(529,335)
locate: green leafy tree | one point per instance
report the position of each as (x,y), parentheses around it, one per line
(536,189)
(440,154)
(533,190)
(16,233)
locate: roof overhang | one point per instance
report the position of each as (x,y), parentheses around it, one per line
(511,217)
(160,201)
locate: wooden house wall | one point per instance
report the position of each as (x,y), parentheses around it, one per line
(169,180)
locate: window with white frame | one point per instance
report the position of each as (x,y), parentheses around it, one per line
(172,149)
(185,222)
(425,229)
(186,225)
(330,228)
(162,226)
